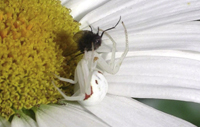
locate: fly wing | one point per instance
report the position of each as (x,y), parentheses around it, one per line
(79,36)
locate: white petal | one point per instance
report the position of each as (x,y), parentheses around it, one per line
(4,122)
(23,121)
(184,36)
(142,14)
(126,112)
(81,7)
(158,74)
(61,115)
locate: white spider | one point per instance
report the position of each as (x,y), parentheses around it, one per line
(90,84)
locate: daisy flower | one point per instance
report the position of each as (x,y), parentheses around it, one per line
(36,40)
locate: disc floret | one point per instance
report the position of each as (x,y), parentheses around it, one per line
(35,38)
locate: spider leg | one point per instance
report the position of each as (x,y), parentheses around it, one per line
(90,56)
(88,69)
(113,68)
(84,79)
(66,79)
(119,62)
(69,98)
(111,62)
(81,76)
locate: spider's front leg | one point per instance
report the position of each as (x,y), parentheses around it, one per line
(113,67)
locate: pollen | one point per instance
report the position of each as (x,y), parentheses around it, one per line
(36,40)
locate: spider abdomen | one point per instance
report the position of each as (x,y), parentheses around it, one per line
(99,88)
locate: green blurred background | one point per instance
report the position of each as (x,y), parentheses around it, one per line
(184,110)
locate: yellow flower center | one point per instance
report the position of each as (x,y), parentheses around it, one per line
(36,40)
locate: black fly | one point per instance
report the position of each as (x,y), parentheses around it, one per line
(85,38)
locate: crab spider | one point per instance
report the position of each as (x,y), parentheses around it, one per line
(90,84)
